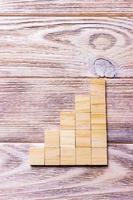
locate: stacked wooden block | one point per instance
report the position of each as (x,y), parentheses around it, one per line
(82,137)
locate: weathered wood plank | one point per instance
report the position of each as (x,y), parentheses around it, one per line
(29,105)
(65,7)
(20,181)
(66,47)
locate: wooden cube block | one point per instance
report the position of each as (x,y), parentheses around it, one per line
(68,156)
(83,138)
(67,138)
(98,127)
(97,81)
(67,120)
(82,120)
(82,103)
(98,99)
(99,138)
(83,156)
(98,118)
(97,90)
(52,138)
(99,156)
(52,156)
(98,108)
(36,156)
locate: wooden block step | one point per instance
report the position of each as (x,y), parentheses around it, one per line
(98,118)
(36,156)
(68,156)
(83,156)
(83,138)
(99,138)
(52,156)
(67,120)
(97,81)
(52,138)
(99,156)
(97,90)
(67,138)
(98,127)
(98,108)
(82,103)
(99,99)
(82,120)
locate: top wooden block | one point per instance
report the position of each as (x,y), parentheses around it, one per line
(52,138)
(67,120)
(97,81)
(82,103)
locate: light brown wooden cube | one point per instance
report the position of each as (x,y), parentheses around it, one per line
(68,156)
(82,120)
(98,99)
(67,120)
(82,103)
(83,156)
(67,138)
(98,118)
(52,156)
(83,138)
(99,156)
(98,127)
(36,156)
(97,91)
(98,108)
(99,138)
(98,81)
(52,138)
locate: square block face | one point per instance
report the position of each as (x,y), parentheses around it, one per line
(98,108)
(36,156)
(52,138)
(82,103)
(97,90)
(97,81)
(82,121)
(83,156)
(52,156)
(98,127)
(99,138)
(67,138)
(68,156)
(98,99)
(83,138)
(98,118)
(67,120)
(99,156)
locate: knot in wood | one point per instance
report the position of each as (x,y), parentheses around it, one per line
(104,68)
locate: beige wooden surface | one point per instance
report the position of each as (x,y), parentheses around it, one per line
(66,46)
(19,181)
(48,52)
(66,7)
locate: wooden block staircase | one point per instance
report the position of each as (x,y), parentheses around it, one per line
(82,137)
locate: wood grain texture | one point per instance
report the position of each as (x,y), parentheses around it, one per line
(65,7)
(30,105)
(20,181)
(66,46)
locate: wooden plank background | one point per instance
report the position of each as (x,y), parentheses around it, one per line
(65,46)
(66,7)
(49,50)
